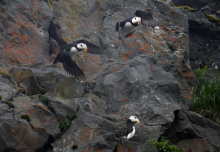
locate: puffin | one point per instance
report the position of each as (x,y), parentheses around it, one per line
(128,131)
(69,52)
(127,27)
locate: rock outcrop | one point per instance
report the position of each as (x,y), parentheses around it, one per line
(151,79)
(24,32)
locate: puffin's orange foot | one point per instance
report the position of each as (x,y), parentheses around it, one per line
(131,35)
(126,139)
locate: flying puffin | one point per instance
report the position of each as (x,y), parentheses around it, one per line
(68,53)
(127,27)
(128,130)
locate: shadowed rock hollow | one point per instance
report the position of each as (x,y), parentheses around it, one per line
(150,80)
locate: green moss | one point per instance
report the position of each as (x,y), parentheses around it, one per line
(26,117)
(75,146)
(171,4)
(213,19)
(7,76)
(10,104)
(51,3)
(42,98)
(65,124)
(164,145)
(187,7)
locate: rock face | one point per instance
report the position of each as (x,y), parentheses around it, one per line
(193,132)
(139,89)
(26,125)
(210,7)
(47,80)
(168,46)
(204,41)
(151,79)
(24,32)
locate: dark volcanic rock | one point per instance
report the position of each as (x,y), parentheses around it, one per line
(150,79)
(47,80)
(139,89)
(96,21)
(210,7)
(204,41)
(24,36)
(8,89)
(28,126)
(39,116)
(87,132)
(194,132)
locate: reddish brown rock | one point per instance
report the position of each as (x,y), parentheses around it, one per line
(24,36)
(195,145)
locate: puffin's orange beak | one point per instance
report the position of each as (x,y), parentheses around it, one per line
(137,122)
(139,21)
(86,49)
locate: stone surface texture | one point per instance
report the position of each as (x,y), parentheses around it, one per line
(150,79)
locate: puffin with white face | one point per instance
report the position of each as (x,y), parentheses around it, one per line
(127,27)
(69,51)
(128,131)
(82,45)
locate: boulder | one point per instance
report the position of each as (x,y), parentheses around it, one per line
(8,88)
(47,80)
(26,125)
(191,131)
(86,133)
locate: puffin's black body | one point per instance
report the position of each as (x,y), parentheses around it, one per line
(68,64)
(121,26)
(127,27)
(128,128)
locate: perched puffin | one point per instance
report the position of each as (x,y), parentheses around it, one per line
(68,53)
(128,130)
(127,27)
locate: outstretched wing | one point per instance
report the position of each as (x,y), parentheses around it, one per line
(92,48)
(147,19)
(71,67)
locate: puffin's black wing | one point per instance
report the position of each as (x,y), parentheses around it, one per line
(124,131)
(147,19)
(71,67)
(92,48)
(119,25)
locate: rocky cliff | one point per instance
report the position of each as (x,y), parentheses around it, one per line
(151,80)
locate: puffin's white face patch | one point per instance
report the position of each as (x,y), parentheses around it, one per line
(136,20)
(134,119)
(81,46)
